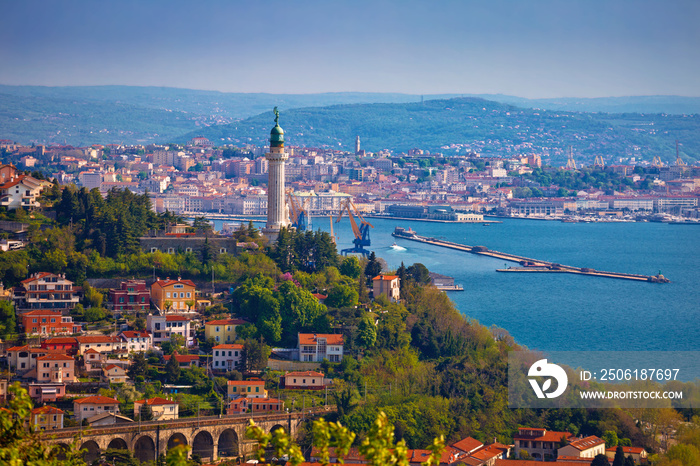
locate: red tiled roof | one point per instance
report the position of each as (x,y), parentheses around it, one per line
(55,357)
(628,450)
(183,357)
(136,333)
(586,442)
(312,338)
(229,346)
(110,367)
(92,350)
(164,283)
(42,313)
(543,435)
(156,401)
(226,322)
(385,277)
(60,340)
(97,400)
(304,374)
(176,319)
(97,339)
(468,444)
(37,276)
(47,410)
(246,382)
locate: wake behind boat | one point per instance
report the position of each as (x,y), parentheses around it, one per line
(396,247)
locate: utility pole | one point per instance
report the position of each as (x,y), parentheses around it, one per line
(365,391)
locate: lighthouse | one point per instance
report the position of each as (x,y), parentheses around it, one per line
(276,206)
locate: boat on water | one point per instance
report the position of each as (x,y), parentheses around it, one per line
(396,247)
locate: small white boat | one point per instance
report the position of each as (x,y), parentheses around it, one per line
(396,247)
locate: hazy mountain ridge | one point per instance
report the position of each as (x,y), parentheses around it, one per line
(487,127)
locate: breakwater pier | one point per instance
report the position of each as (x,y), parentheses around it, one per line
(527,265)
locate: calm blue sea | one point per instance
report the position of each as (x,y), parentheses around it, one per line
(562,312)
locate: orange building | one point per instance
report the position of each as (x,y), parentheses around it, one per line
(48,323)
(174,295)
(388,285)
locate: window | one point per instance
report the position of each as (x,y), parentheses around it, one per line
(171,250)
(222,251)
(178,286)
(189,295)
(154,249)
(167,295)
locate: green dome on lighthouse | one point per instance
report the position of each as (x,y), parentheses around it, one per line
(276,133)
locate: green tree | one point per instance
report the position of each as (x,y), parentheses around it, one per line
(610,437)
(366,332)
(172,369)
(351,267)
(600,460)
(139,366)
(8,322)
(619,457)
(373,267)
(255,355)
(94,314)
(342,296)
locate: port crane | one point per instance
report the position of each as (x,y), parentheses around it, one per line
(361,232)
(298,215)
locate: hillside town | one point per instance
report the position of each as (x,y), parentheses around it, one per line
(198,178)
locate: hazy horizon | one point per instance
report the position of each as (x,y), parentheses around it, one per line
(539,49)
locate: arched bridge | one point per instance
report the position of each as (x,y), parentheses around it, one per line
(209,437)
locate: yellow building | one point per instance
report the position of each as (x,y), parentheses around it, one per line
(161,408)
(247,388)
(388,285)
(47,418)
(174,295)
(222,331)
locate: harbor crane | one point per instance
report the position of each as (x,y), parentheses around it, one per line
(679,160)
(298,215)
(361,232)
(570,163)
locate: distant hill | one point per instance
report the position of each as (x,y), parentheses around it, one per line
(491,128)
(142,115)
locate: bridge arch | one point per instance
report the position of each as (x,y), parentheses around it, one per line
(61,450)
(203,445)
(176,439)
(145,449)
(277,426)
(228,443)
(118,444)
(92,451)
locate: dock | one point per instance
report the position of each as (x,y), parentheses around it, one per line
(527,265)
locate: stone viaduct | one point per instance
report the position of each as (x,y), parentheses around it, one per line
(209,437)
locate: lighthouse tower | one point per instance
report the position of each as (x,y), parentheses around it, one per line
(276,206)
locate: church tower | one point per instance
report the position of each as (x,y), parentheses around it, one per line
(276,206)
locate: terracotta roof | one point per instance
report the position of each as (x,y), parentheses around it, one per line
(55,357)
(40,312)
(229,346)
(176,319)
(37,276)
(304,374)
(572,460)
(628,450)
(543,435)
(60,341)
(263,400)
(92,350)
(312,338)
(183,357)
(468,444)
(246,382)
(320,296)
(47,410)
(136,333)
(156,401)
(586,442)
(226,322)
(385,277)
(97,400)
(97,339)
(110,367)
(164,283)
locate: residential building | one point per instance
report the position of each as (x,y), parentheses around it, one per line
(541,444)
(387,285)
(46,392)
(638,454)
(84,408)
(184,360)
(47,418)
(42,322)
(587,447)
(227,357)
(254,388)
(55,368)
(137,341)
(161,409)
(222,331)
(162,327)
(112,373)
(306,380)
(265,405)
(173,295)
(132,295)
(468,445)
(24,358)
(317,347)
(238,405)
(45,291)
(93,360)
(68,345)
(21,191)
(101,344)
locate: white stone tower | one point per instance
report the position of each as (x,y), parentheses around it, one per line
(357,145)
(276,206)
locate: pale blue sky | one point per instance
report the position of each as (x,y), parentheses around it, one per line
(535,48)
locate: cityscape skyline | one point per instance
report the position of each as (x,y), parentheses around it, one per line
(535,50)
